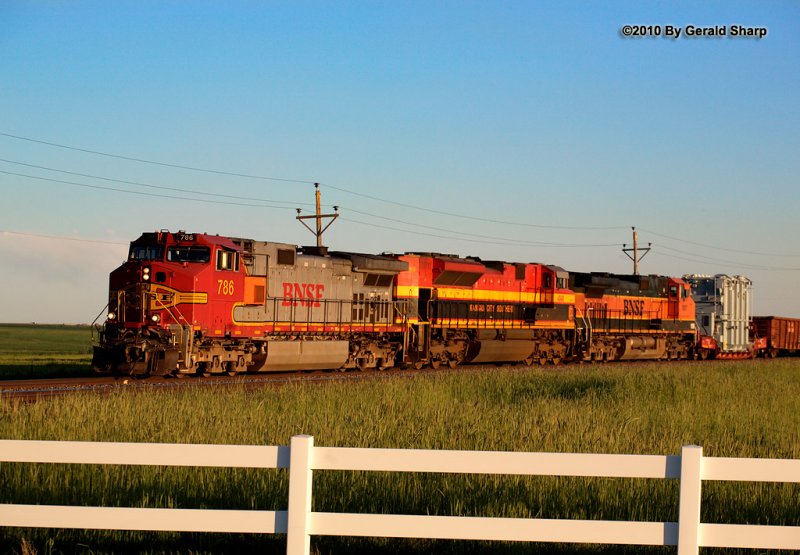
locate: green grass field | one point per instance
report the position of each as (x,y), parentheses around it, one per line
(734,409)
(44,351)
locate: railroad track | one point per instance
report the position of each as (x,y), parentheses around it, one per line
(38,389)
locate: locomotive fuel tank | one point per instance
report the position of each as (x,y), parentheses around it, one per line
(280,356)
(643,348)
(491,346)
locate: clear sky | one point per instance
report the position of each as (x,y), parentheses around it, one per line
(524,131)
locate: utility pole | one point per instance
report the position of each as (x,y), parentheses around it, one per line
(319,216)
(636,258)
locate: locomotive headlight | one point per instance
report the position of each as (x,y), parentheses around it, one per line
(111,316)
(146,274)
(155,318)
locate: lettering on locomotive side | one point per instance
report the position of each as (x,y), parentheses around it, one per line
(302,294)
(499,308)
(597,310)
(633,307)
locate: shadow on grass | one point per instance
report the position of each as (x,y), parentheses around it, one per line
(69,541)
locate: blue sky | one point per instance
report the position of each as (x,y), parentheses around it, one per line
(539,130)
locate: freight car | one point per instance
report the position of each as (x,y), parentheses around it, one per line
(186,303)
(781,336)
(723,309)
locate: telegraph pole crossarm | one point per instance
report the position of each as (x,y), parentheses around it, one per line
(318,216)
(636,250)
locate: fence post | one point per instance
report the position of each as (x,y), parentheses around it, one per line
(689,509)
(298,539)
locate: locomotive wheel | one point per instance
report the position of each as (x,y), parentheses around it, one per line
(141,368)
(556,361)
(232,368)
(140,375)
(417,365)
(542,361)
(452,363)
(201,370)
(435,363)
(528,361)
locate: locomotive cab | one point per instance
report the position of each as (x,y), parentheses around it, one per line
(156,296)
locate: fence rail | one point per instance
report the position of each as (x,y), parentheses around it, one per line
(302,458)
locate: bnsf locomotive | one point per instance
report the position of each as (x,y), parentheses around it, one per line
(186,303)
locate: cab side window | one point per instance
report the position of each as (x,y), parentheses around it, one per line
(227,260)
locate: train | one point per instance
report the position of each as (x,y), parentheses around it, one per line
(196,304)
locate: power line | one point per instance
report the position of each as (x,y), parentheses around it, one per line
(264,204)
(472,240)
(100,187)
(144,161)
(506,241)
(59,237)
(159,187)
(337,188)
(729,263)
(341,189)
(471,218)
(739,251)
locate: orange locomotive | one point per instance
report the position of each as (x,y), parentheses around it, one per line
(187,303)
(630,317)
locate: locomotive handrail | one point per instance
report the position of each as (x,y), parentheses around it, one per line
(94,322)
(299,522)
(373,316)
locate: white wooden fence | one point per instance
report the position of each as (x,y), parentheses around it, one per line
(299,522)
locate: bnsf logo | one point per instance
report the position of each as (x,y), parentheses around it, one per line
(634,308)
(302,294)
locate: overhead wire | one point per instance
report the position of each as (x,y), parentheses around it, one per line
(305,181)
(265,203)
(705,245)
(691,257)
(478,237)
(482,240)
(59,237)
(144,161)
(159,187)
(141,193)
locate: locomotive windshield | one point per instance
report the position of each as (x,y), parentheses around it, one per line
(189,254)
(146,252)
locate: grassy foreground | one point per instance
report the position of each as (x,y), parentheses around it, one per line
(736,409)
(41,351)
